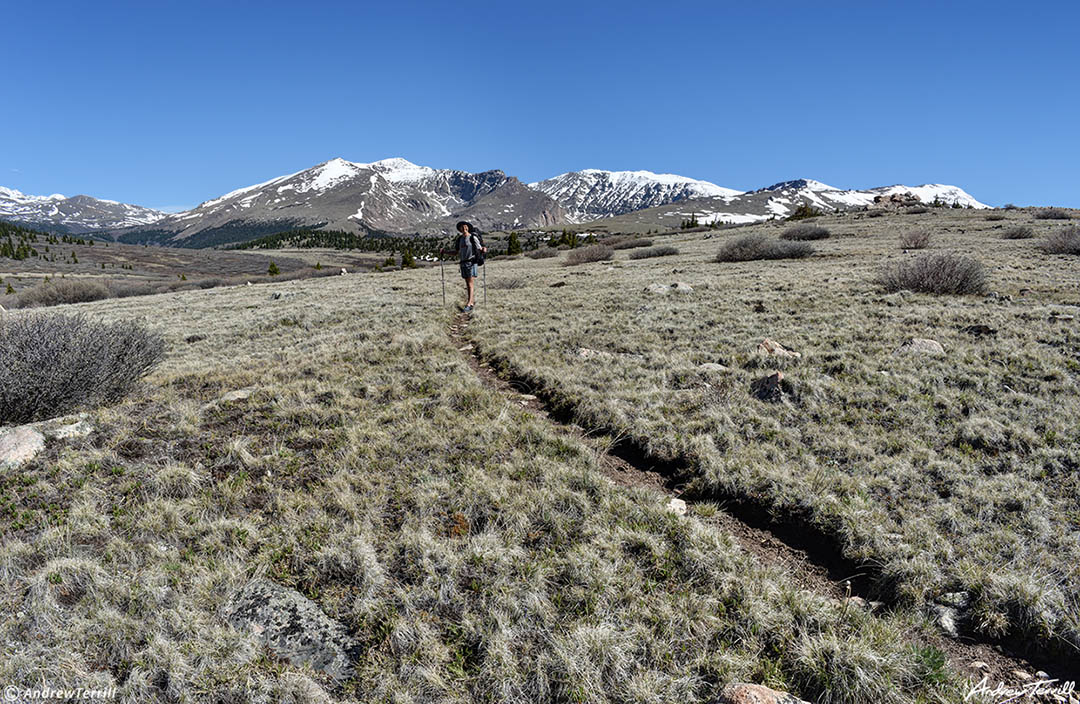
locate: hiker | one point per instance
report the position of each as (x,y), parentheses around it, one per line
(470,251)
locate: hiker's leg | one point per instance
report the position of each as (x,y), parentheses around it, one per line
(470,286)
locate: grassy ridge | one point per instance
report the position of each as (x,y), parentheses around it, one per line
(476,553)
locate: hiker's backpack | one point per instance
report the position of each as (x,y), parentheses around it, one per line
(478,255)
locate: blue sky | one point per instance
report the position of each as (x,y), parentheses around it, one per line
(167,104)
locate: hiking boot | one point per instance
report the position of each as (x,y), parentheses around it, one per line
(467,309)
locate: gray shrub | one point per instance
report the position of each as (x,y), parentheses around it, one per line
(1021,232)
(662,251)
(594,253)
(543,253)
(1052,214)
(915,239)
(935,273)
(1065,241)
(805,231)
(58,291)
(53,364)
(751,247)
(632,243)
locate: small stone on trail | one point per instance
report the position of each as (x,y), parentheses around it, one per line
(194,338)
(978,665)
(681,287)
(343,272)
(659,289)
(466,347)
(558,284)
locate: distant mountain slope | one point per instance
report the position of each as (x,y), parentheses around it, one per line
(781,200)
(392,195)
(75,215)
(592,193)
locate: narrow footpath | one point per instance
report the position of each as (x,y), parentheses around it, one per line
(810,563)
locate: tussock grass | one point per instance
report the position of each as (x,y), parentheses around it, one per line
(945,273)
(1020,232)
(493,564)
(592,253)
(951,473)
(53,364)
(753,247)
(661,251)
(915,239)
(805,231)
(1065,241)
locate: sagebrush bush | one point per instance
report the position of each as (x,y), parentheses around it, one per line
(543,253)
(935,273)
(1065,241)
(662,251)
(917,210)
(995,217)
(1052,214)
(1021,232)
(631,244)
(59,291)
(594,253)
(805,231)
(752,247)
(915,239)
(53,364)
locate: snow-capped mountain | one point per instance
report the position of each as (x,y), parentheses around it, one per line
(75,215)
(782,199)
(592,193)
(392,195)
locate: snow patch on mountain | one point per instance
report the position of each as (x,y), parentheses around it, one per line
(77,214)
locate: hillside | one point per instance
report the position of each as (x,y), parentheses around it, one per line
(76,215)
(471,510)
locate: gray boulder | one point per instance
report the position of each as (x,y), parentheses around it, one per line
(293,628)
(739,693)
(923,346)
(19,445)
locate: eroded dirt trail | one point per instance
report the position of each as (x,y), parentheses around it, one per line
(809,563)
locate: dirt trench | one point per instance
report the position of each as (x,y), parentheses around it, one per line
(810,560)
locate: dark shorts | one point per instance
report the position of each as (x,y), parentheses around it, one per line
(468,271)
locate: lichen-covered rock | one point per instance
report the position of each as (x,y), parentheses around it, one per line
(755,694)
(293,628)
(772,348)
(922,345)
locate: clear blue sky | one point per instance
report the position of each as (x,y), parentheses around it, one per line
(167,104)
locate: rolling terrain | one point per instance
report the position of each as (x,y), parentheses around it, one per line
(310,433)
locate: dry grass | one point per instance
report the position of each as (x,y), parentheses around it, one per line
(476,553)
(952,473)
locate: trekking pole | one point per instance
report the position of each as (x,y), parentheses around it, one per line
(442,275)
(485,283)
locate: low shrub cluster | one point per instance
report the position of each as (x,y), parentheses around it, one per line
(593,253)
(662,251)
(945,273)
(53,364)
(915,239)
(1052,214)
(1065,241)
(805,231)
(995,217)
(1020,232)
(753,247)
(917,210)
(632,243)
(543,253)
